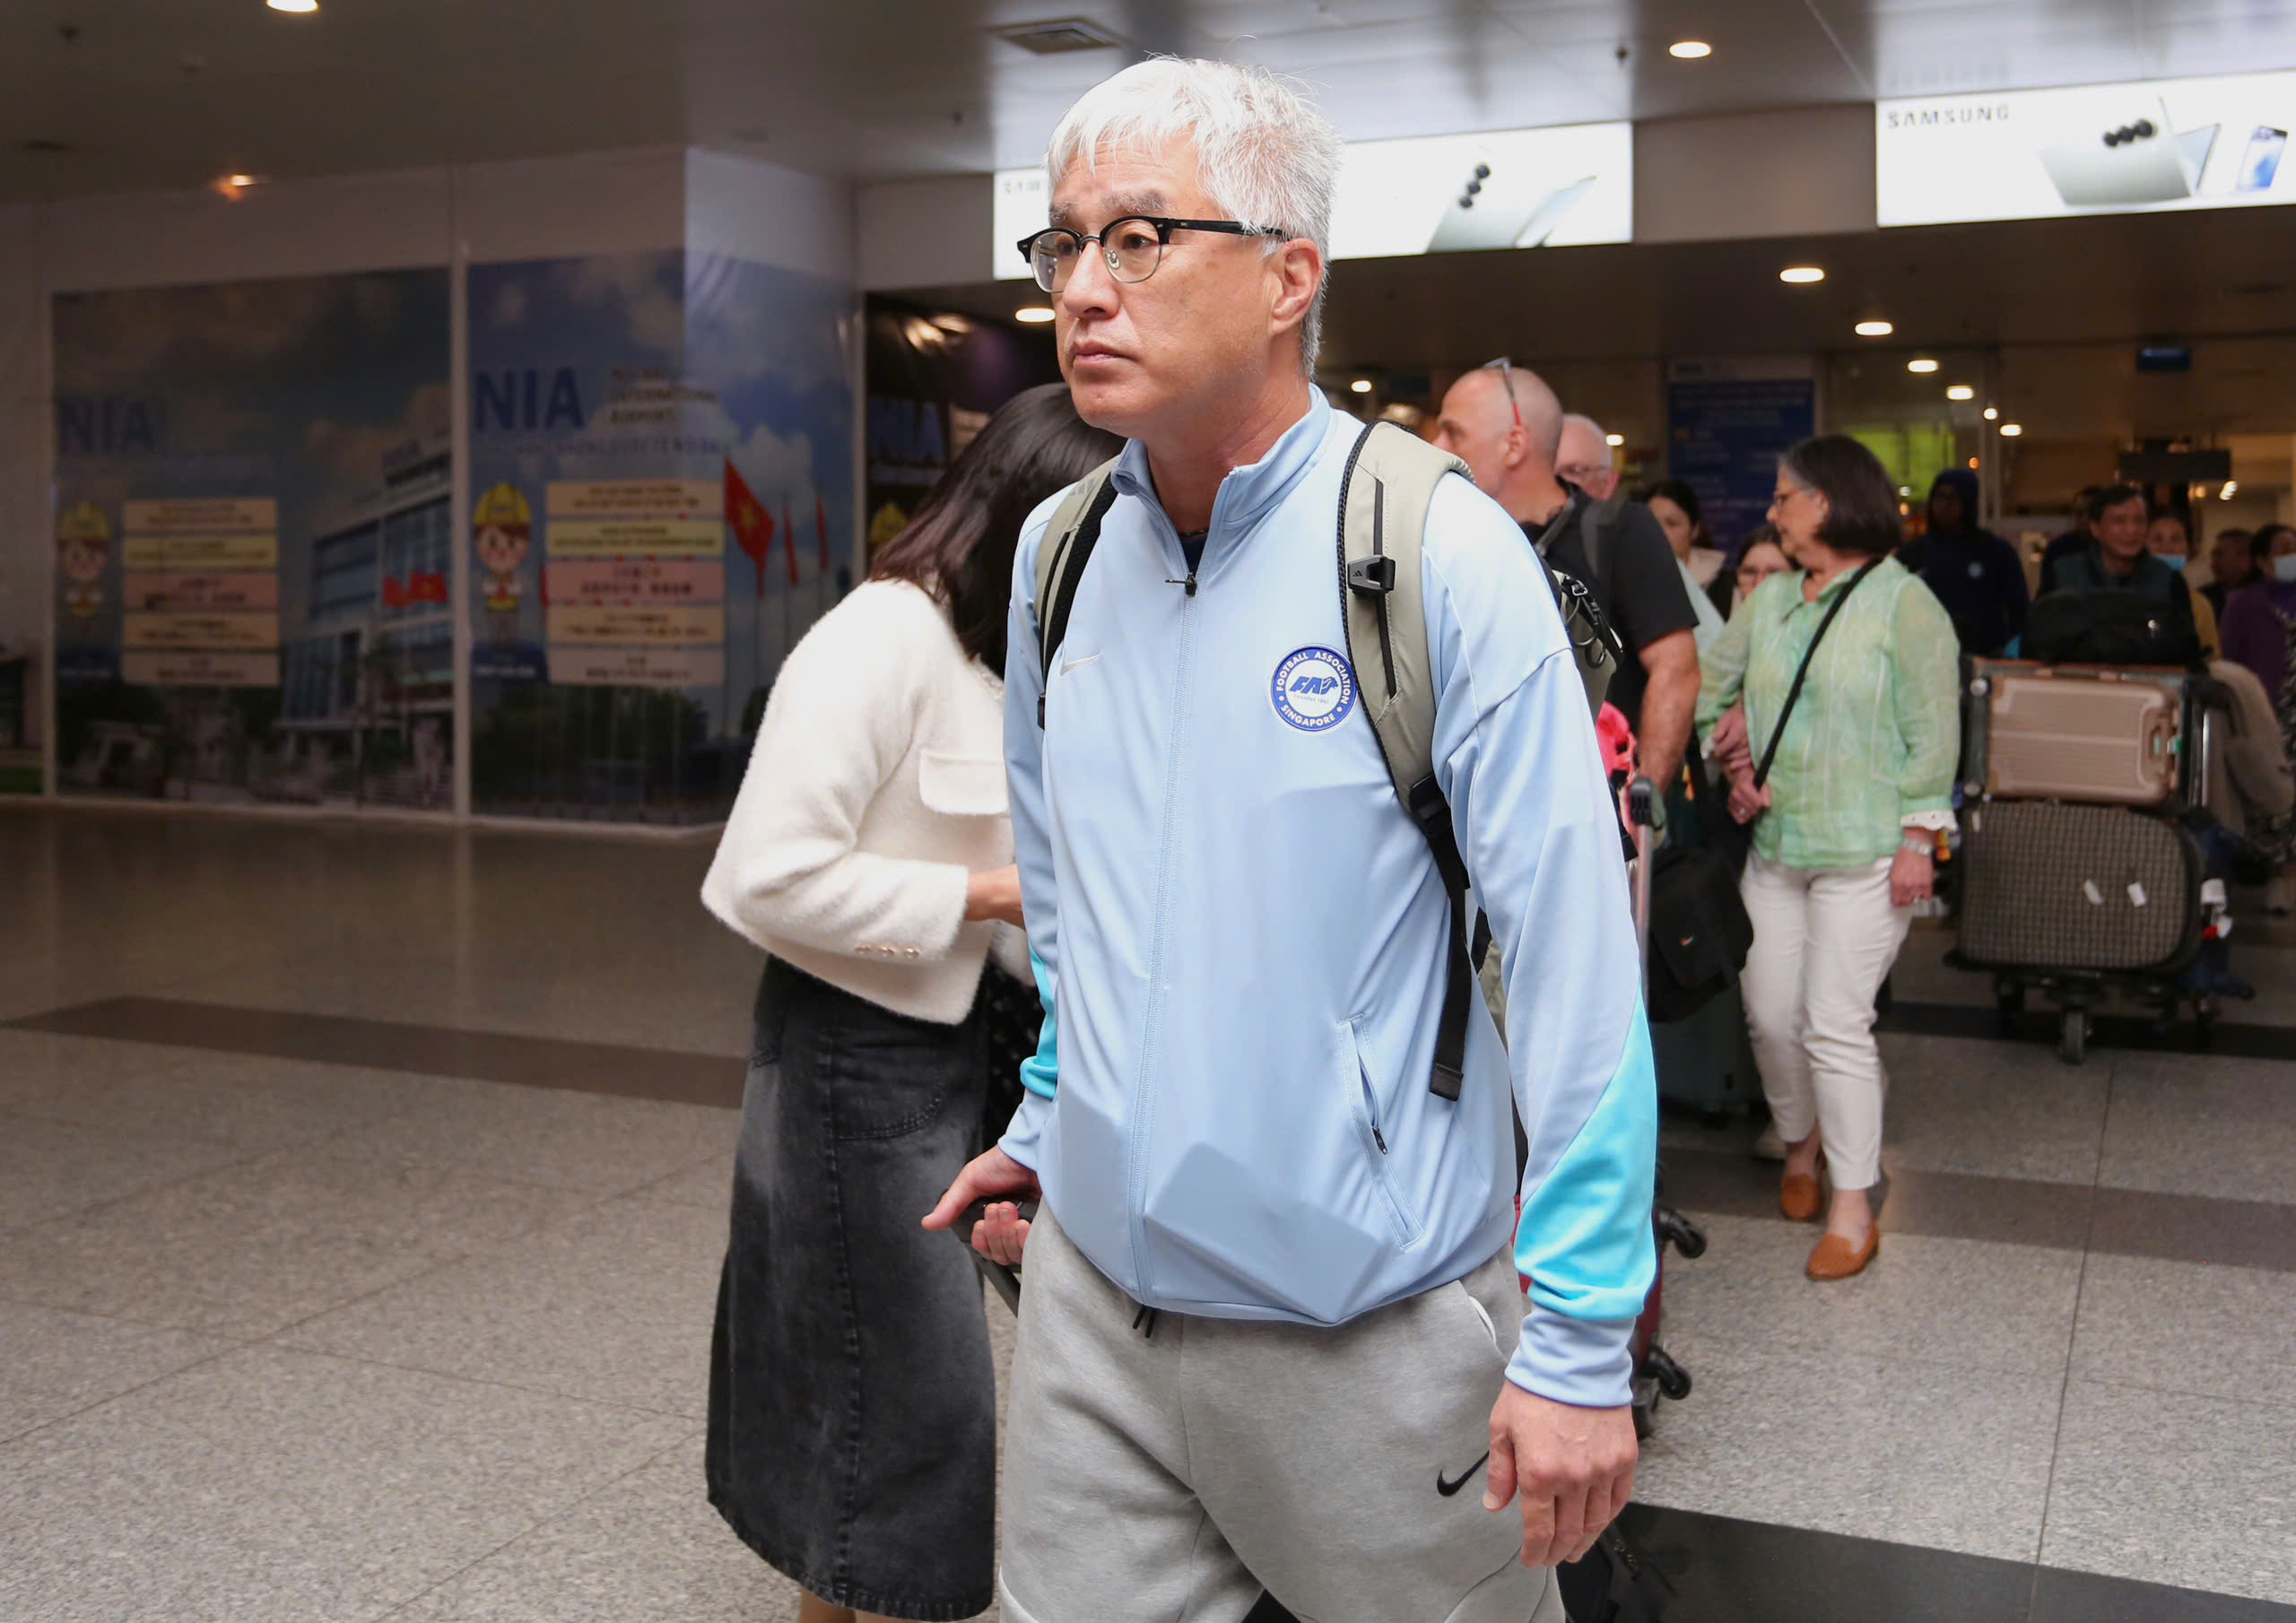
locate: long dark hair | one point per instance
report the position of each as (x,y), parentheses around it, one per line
(1678,491)
(1861,503)
(959,545)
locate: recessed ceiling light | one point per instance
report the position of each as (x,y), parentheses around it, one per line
(1361,385)
(1613,440)
(1921,363)
(1875,329)
(2012,429)
(2231,485)
(1991,412)
(1960,390)
(1802,273)
(1033,313)
(238,181)
(299,7)
(1690,51)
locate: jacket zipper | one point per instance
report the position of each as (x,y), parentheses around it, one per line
(1143,1125)
(1407,1228)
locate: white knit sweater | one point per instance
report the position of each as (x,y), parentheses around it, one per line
(876,789)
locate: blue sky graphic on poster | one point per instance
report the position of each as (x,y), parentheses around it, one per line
(328,396)
(667,365)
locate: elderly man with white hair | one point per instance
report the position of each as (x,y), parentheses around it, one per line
(1583,457)
(1271,1325)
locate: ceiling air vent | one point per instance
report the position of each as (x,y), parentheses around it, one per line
(1060,36)
(46,147)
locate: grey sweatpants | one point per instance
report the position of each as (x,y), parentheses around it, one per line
(1169,1470)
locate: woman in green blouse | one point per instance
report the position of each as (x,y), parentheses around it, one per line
(1845,826)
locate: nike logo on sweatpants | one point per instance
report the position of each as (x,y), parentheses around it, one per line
(1448,1488)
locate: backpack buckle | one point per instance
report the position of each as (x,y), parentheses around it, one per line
(1372,577)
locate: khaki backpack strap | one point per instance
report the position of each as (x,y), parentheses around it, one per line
(1384,495)
(1068,542)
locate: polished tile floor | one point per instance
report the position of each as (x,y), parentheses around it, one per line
(361,1192)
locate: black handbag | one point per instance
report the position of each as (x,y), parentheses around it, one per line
(1011,1020)
(1699,932)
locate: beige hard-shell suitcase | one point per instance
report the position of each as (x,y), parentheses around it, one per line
(2102,737)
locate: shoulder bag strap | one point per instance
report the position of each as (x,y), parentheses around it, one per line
(1761,773)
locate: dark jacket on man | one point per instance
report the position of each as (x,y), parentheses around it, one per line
(1974,573)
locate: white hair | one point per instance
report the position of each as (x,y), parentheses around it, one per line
(1265,155)
(1580,419)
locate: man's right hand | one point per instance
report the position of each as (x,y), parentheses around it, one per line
(1000,1233)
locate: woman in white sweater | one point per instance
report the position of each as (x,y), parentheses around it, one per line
(852,1402)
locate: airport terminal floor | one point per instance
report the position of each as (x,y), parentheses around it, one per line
(362,1190)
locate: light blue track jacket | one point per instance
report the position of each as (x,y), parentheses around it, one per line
(1241,936)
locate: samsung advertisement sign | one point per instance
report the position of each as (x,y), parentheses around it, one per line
(1434,195)
(2098,149)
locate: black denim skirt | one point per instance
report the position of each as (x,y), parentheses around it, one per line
(852,1395)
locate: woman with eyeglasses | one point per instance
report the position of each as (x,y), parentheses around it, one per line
(1762,556)
(1845,827)
(852,1436)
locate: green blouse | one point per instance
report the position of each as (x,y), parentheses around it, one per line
(1874,740)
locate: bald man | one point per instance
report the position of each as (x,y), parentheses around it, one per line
(1583,457)
(1507,426)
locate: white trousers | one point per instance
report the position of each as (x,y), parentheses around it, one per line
(1823,939)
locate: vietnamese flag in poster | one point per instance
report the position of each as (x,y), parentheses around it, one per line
(752,524)
(820,524)
(790,531)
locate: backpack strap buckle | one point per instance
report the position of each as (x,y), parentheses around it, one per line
(1373,577)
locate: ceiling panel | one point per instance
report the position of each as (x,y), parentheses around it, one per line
(910,87)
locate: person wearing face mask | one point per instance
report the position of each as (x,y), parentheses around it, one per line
(2167,539)
(2260,633)
(1972,571)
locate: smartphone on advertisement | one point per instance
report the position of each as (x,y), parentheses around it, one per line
(2260,165)
(1502,201)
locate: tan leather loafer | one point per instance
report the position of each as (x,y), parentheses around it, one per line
(1836,1258)
(1797,1197)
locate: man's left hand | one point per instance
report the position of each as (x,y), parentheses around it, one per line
(1573,1468)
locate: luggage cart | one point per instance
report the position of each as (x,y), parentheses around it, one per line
(2081,900)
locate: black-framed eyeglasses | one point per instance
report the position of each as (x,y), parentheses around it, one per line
(1132,247)
(1506,370)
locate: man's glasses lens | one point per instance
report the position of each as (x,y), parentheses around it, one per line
(1130,248)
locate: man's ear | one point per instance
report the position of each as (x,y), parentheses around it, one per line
(1296,271)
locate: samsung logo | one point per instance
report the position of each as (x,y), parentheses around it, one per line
(1932,117)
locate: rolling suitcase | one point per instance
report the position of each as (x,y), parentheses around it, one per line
(2097,736)
(2072,898)
(1705,1062)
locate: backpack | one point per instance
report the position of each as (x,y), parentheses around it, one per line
(2105,626)
(1384,494)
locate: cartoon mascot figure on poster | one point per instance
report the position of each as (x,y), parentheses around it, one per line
(502,531)
(82,554)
